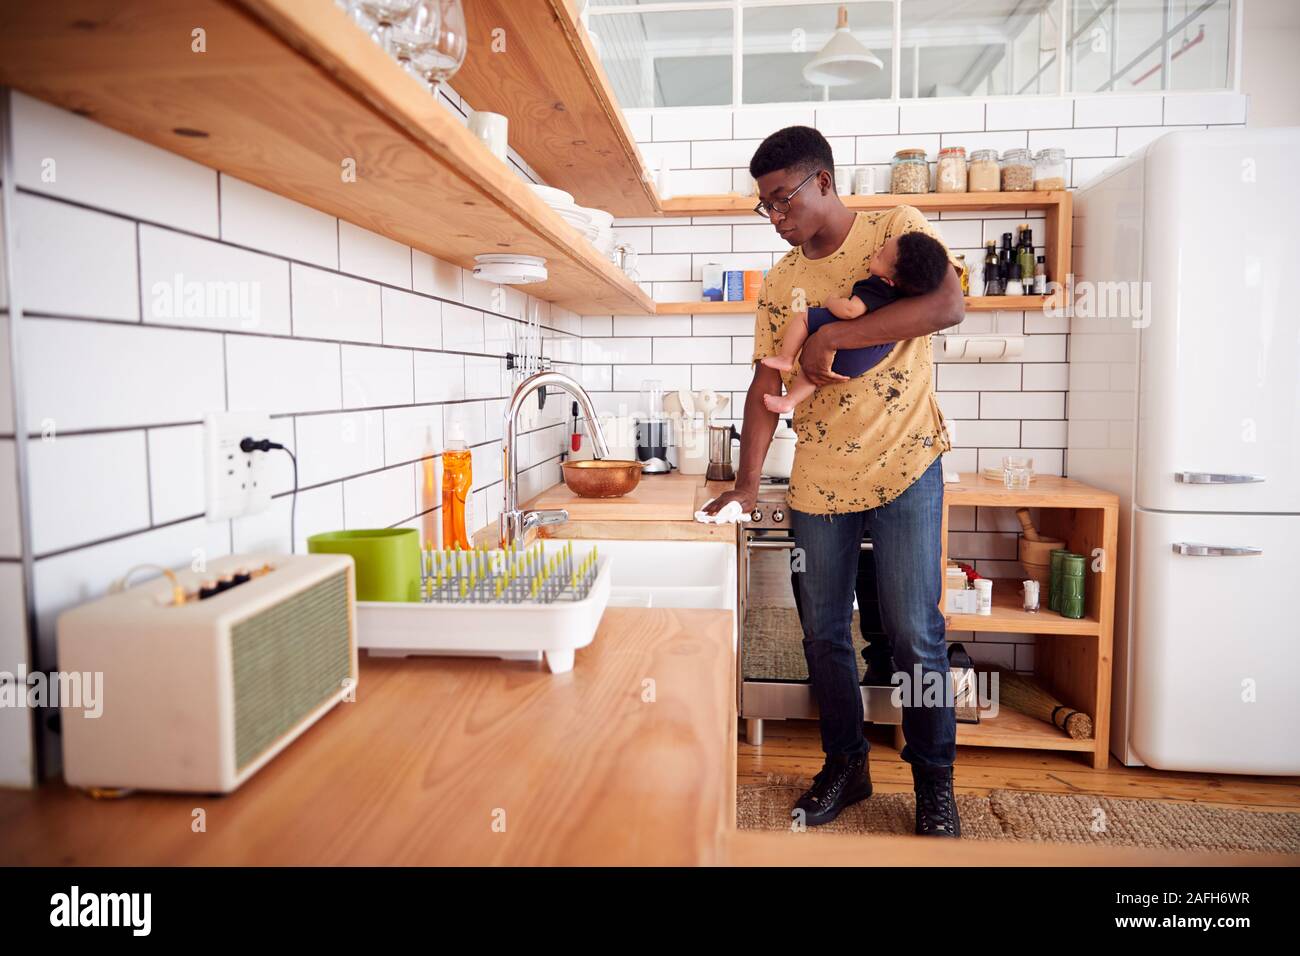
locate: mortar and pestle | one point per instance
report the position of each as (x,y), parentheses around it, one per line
(1036,551)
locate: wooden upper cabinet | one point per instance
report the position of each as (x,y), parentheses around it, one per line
(531,61)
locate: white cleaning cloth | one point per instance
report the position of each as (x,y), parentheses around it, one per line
(729,513)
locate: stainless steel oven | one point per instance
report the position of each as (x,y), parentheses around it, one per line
(772,674)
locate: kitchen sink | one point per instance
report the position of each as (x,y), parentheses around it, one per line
(670,573)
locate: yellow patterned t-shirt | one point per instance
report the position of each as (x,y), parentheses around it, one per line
(864,441)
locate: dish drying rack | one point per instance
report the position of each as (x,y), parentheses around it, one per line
(479,575)
(545,601)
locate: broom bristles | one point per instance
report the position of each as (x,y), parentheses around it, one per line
(1024,695)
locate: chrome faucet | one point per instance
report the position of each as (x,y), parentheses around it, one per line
(514,522)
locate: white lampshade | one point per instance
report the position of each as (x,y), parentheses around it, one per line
(843,60)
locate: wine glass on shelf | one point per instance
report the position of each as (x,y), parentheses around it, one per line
(385,14)
(439,61)
(412,35)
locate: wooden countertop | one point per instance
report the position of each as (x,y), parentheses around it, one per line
(661,509)
(579,767)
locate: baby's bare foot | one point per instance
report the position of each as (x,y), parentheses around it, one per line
(778,403)
(779,362)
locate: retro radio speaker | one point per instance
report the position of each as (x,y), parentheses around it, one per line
(198,696)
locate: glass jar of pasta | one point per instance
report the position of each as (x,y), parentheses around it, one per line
(1017,171)
(909,172)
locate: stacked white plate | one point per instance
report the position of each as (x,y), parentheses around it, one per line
(602,230)
(595,225)
(510,269)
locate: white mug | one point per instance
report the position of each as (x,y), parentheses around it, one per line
(491,129)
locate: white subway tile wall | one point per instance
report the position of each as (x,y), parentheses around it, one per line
(145,315)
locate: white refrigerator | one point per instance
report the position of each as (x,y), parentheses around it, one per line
(1185,401)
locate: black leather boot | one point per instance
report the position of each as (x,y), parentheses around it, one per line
(842,782)
(879,672)
(936,804)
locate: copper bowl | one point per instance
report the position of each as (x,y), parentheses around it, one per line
(601,477)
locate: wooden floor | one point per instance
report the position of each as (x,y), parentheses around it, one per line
(792,747)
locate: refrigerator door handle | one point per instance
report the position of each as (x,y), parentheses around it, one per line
(1214,478)
(1212,550)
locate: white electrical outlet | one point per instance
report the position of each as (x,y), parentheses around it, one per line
(237,482)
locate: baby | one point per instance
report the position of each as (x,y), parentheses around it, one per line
(910,264)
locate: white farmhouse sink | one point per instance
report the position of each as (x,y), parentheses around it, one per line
(670,573)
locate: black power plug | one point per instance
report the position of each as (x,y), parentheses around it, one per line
(249,445)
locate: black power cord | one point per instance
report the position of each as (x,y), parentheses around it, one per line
(250,445)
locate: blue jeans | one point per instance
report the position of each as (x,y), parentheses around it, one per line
(905,541)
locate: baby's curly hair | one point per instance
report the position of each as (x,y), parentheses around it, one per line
(922,262)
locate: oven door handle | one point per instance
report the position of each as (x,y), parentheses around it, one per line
(786,544)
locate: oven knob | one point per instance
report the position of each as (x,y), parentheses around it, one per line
(756,515)
(778,515)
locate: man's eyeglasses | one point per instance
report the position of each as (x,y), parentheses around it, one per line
(782,206)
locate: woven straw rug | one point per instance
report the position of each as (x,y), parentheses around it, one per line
(774,645)
(1042,817)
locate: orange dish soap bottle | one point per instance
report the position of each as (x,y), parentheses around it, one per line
(457,476)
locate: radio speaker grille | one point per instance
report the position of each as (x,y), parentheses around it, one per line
(287,661)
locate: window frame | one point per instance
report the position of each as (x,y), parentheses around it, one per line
(1060,64)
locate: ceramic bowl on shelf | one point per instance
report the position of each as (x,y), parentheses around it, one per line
(555,198)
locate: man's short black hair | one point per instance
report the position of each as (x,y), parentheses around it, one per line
(796,147)
(922,263)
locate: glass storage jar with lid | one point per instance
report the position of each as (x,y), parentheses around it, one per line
(1017,171)
(983,174)
(1049,169)
(909,172)
(951,174)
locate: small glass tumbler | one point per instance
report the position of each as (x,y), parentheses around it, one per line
(1016,471)
(1030,588)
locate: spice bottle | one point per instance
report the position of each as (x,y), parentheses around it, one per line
(1040,277)
(1013,279)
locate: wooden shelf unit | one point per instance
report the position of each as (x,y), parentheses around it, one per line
(1056,206)
(733,204)
(288,92)
(974,303)
(543,73)
(1072,658)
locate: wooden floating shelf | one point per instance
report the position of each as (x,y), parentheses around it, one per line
(543,73)
(287,92)
(732,204)
(706,308)
(1009,617)
(974,303)
(1055,236)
